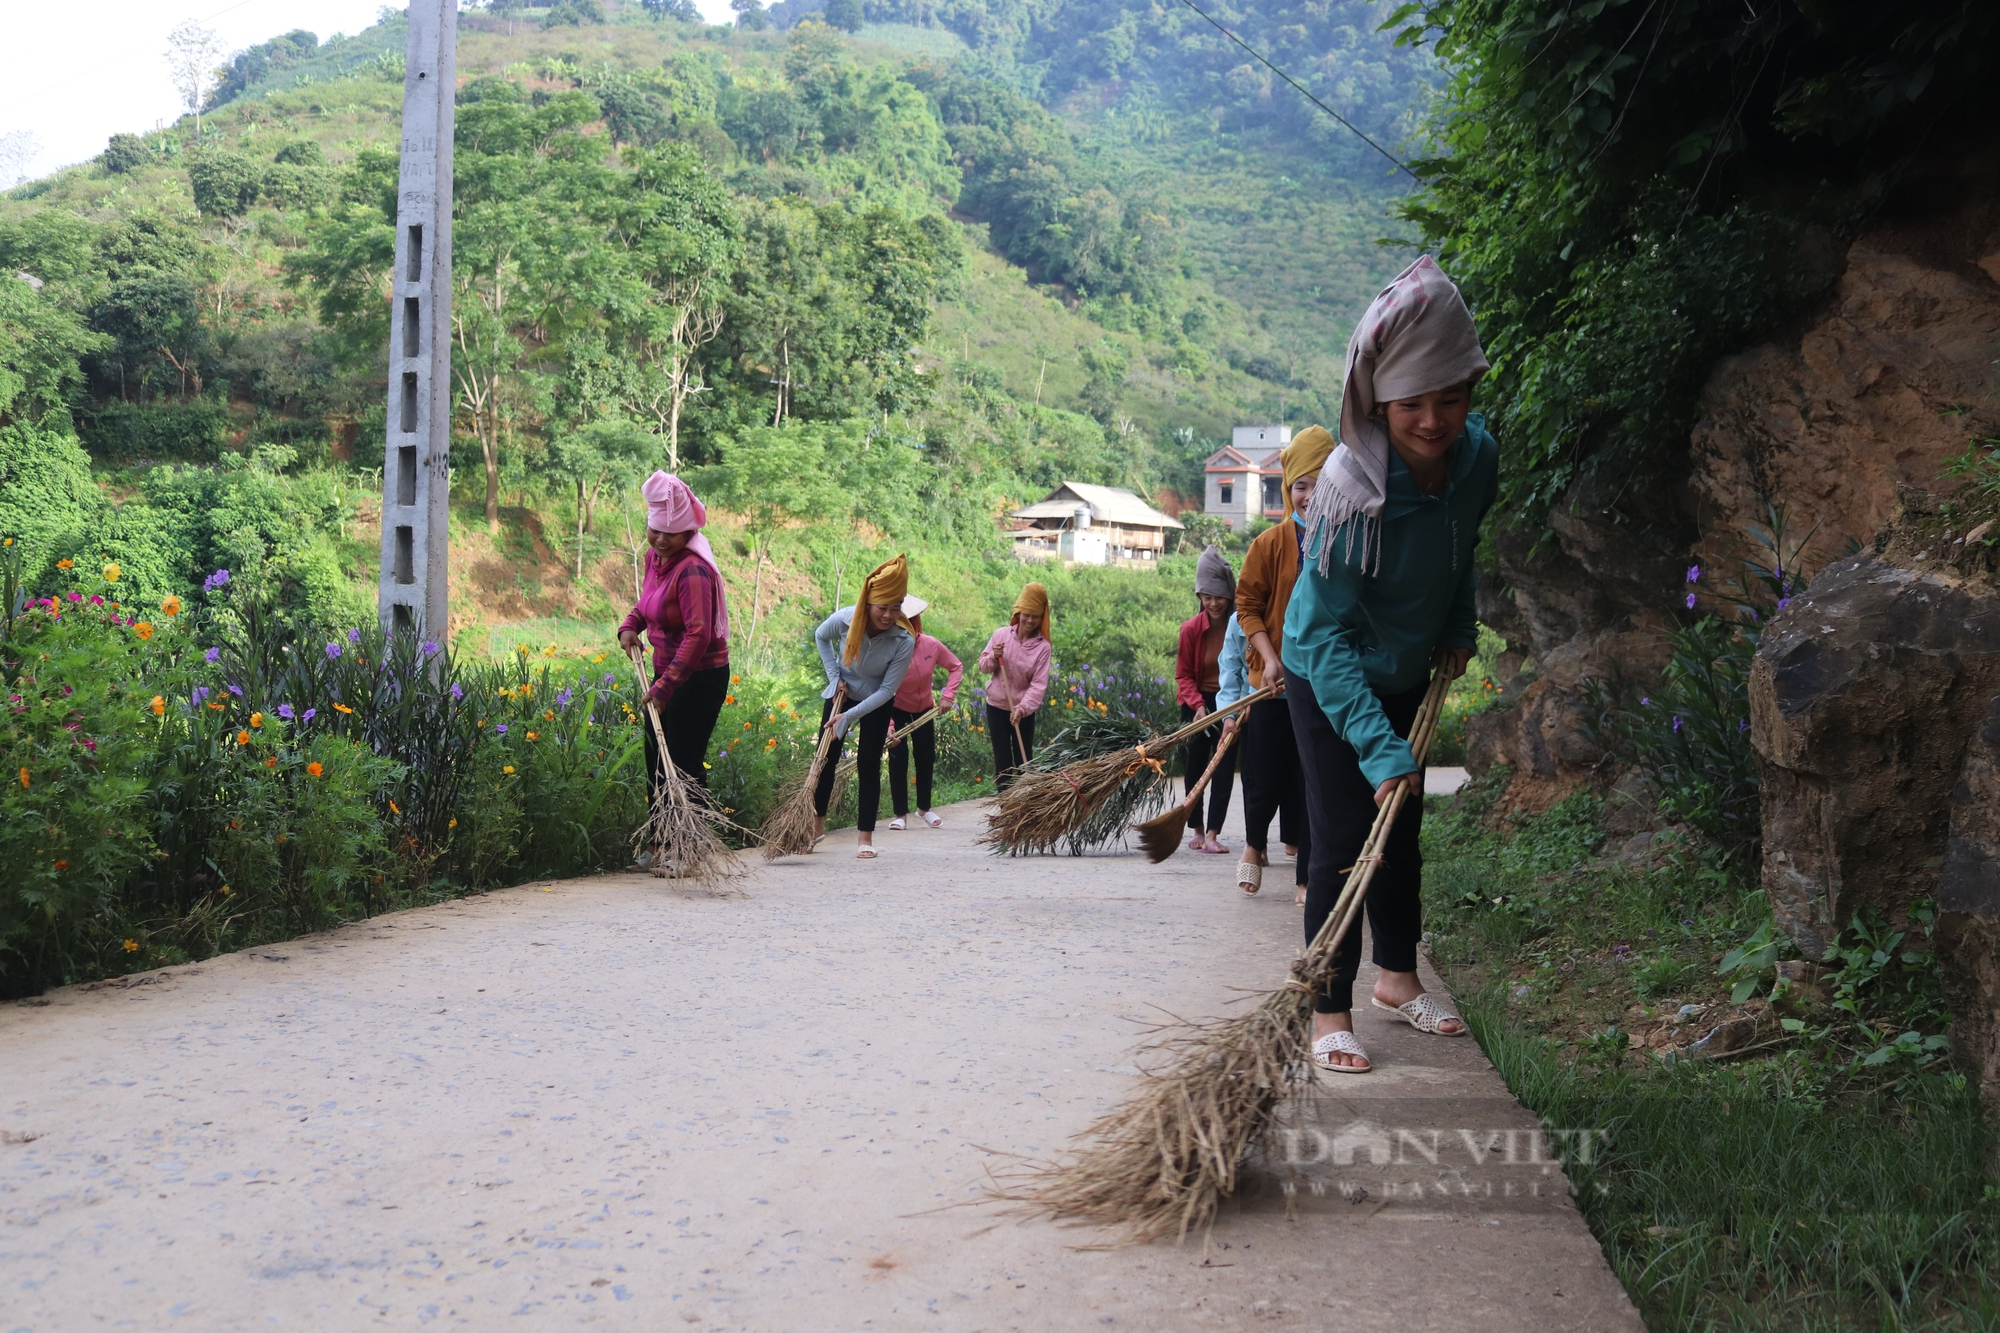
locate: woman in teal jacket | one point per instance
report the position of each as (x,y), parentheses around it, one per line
(1387,595)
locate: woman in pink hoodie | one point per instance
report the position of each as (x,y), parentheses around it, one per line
(912,699)
(1018,657)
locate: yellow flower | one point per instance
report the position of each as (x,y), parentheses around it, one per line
(8,542)
(225,890)
(112,573)
(131,946)
(452,824)
(522,649)
(342,708)
(534,735)
(256,719)
(548,715)
(172,606)
(549,651)
(159,705)
(508,769)
(315,768)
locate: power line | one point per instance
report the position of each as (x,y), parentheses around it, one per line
(1258,56)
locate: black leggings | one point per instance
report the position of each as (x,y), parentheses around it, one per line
(1271,782)
(922,741)
(1196,751)
(1000,731)
(1340,803)
(874,729)
(689,721)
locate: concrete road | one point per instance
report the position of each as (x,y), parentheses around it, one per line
(601,1102)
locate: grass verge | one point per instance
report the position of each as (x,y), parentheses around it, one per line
(1789,1182)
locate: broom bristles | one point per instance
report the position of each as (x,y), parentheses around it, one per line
(789,830)
(683,829)
(1164,1161)
(1160,836)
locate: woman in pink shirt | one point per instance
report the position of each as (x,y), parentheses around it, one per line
(913,698)
(1018,656)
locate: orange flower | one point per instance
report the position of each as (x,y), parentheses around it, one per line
(393,809)
(270,763)
(729,698)
(159,705)
(256,719)
(548,715)
(62,865)
(24,778)
(144,629)
(736,680)
(65,564)
(342,708)
(242,738)
(131,946)
(172,606)
(216,707)
(534,735)
(315,768)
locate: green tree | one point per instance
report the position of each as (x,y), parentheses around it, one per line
(845,15)
(224,182)
(125,153)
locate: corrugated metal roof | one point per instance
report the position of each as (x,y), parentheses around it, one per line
(1108,504)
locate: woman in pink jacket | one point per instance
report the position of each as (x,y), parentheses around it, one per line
(912,699)
(1018,657)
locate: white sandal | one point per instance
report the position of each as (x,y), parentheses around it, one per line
(1343,1043)
(897,823)
(932,819)
(1425,1015)
(1249,877)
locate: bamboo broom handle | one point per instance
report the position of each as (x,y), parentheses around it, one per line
(652,709)
(1173,738)
(1208,774)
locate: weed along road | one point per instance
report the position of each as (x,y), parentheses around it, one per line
(603,1102)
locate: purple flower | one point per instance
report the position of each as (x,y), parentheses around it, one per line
(215,580)
(1694,573)
(1743,724)
(285,711)
(457,690)
(212,656)
(1677,723)
(1690,601)
(1784,602)
(427,648)
(236,690)
(562,700)
(309,715)
(201,694)
(332,651)
(501,729)
(354,636)
(1644,702)
(610,678)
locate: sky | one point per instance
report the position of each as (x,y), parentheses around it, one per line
(75,72)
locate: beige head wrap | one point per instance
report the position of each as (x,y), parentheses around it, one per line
(1416,337)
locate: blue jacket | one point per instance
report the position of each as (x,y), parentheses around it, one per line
(1233,668)
(1351,635)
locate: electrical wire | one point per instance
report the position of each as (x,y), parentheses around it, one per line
(1259,57)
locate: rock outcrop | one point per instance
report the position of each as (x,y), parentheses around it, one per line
(1875,711)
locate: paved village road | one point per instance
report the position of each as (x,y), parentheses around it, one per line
(600,1102)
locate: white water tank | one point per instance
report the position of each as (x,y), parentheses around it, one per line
(1082,518)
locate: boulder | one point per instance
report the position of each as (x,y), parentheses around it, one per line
(1875,713)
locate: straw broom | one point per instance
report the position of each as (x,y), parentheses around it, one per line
(1040,808)
(682,828)
(1160,836)
(852,763)
(789,830)
(1164,1161)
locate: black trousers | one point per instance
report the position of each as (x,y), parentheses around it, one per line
(923,744)
(874,729)
(689,721)
(1271,781)
(1196,751)
(1001,732)
(1340,804)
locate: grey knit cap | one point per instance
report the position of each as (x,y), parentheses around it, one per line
(1212,576)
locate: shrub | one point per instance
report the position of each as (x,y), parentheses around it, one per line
(193,431)
(224,182)
(125,153)
(291,185)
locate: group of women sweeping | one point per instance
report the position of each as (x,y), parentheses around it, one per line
(1344,610)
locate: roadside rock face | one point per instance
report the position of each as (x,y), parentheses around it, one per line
(1872,700)
(1969,908)
(1893,377)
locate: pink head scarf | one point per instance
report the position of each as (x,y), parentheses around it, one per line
(671,506)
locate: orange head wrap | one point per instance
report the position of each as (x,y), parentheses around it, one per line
(1033,601)
(886,585)
(1304,457)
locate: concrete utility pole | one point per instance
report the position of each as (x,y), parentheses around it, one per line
(416,473)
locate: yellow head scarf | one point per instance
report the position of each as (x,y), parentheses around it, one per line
(1304,457)
(1033,601)
(886,585)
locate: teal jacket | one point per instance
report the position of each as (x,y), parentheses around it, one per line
(1350,635)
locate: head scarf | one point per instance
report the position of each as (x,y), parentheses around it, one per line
(1415,337)
(1304,457)
(672,507)
(886,585)
(1033,601)
(1212,576)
